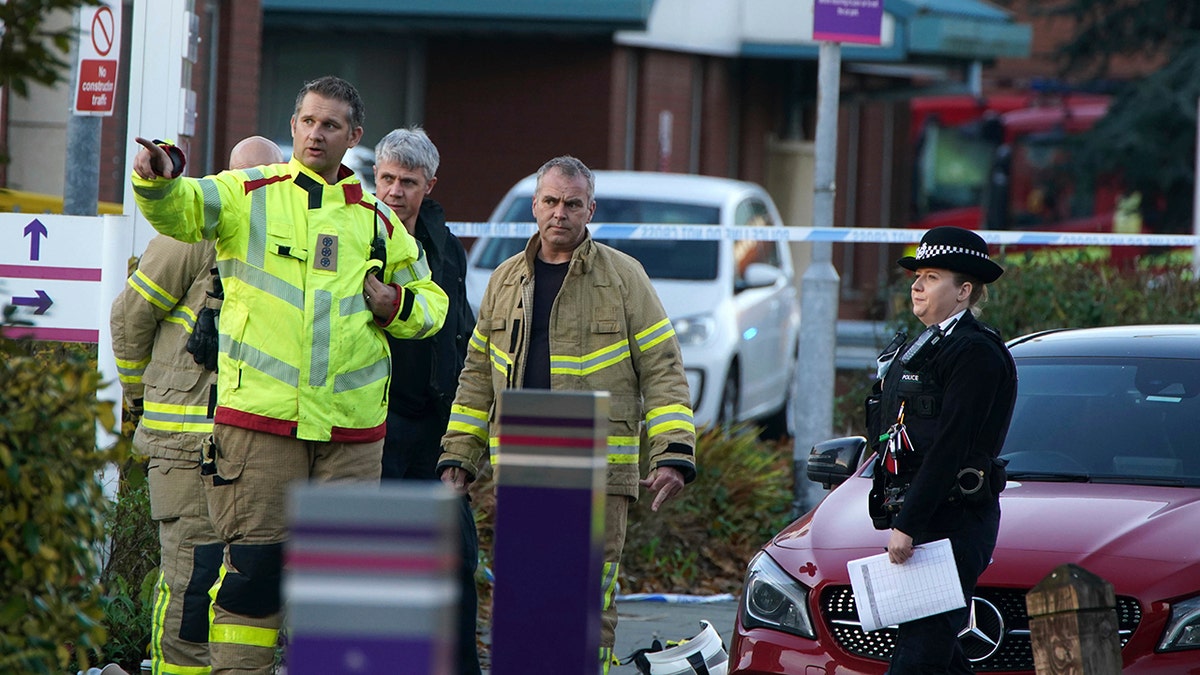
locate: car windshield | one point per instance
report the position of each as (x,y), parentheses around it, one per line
(687,260)
(1112,420)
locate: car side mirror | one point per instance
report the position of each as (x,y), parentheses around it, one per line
(831,462)
(759,275)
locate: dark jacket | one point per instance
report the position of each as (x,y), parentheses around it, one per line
(973,381)
(441,355)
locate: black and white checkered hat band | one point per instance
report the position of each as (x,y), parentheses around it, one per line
(931,251)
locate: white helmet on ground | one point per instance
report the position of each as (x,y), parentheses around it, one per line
(703,654)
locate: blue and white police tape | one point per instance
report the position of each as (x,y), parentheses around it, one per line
(847,235)
(679,598)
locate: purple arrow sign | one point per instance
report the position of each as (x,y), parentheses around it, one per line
(37,230)
(42,302)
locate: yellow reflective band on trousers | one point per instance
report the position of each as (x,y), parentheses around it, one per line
(131,372)
(158,621)
(669,418)
(468,421)
(172,669)
(177,418)
(621,449)
(607,660)
(654,335)
(608,582)
(233,634)
(589,363)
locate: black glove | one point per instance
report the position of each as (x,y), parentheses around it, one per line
(131,416)
(203,342)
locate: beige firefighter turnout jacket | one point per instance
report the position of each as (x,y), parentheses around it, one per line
(608,332)
(151,321)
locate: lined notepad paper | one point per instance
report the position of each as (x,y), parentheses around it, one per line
(888,594)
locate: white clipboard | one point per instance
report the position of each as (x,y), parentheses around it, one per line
(888,594)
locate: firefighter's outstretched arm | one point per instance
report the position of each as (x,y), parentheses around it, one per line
(154,160)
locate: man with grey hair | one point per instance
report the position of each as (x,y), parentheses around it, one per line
(425,372)
(591,311)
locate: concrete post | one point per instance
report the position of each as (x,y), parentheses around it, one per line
(549,532)
(1073,624)
(81,185)
(371,579)
(813,404)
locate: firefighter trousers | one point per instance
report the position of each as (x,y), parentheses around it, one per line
(616,511)
(190,557)
(247,499)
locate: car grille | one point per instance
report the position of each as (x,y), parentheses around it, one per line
(1014,653)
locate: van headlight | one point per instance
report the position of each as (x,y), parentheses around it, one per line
(695,330)
(772,599)
(1183,628)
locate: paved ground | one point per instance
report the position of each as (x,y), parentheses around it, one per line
(642,621)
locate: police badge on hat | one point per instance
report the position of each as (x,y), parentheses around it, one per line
(954,249)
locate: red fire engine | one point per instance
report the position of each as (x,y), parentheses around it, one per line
(1004,163)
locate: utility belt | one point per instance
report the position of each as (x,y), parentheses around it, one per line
(972,487)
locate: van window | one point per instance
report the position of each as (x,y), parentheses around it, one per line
(662,259)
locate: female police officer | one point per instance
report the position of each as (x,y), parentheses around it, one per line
(952,389)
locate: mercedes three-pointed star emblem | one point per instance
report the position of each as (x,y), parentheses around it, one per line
(984,631)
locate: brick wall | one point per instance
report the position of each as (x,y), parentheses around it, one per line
(498,108)
(238,74)
(665,85)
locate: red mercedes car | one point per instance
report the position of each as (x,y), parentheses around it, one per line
(1104,472)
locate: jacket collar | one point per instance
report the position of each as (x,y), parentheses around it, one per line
(583,253)
(431,220)
(314,184)
(297,168)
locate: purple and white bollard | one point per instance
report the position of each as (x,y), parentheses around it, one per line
(549,532)
(371,580)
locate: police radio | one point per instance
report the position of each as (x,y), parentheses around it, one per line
(916,355)
(378,249)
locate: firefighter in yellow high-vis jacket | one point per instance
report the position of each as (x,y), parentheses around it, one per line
(304,364)
(153,319)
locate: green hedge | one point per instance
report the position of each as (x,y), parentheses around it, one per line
(1072,290)
(54,511)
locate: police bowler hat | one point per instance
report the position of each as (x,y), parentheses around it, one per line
(954,249)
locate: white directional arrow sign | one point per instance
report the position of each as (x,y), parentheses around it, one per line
(51,272)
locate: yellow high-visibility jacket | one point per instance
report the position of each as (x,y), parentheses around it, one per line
(151,320)
(301,354)
(608,332)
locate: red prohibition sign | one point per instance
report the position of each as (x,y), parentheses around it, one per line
(103,30)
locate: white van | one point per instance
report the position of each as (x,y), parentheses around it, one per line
(733,303)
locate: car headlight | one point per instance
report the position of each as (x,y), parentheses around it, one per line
(695,330)
(1183,629)
(772,599)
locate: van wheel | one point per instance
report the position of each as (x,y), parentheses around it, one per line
(727,411)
